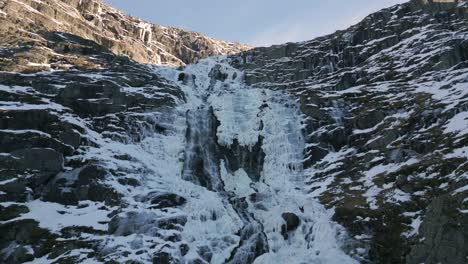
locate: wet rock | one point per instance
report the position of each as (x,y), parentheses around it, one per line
(248,158)
(217,74)
(129,181)
(100,192)
(252,245)
(336,138)
(164,200)
(181,77)
(202,149)
(8,163)
(205,253)
(292,222)
(184,249)
(44,87)
(164,258)
(144,223)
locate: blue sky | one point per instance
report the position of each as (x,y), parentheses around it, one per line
(255,22)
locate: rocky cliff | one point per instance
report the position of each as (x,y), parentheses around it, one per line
(25,21)
(350,148)
(386,104)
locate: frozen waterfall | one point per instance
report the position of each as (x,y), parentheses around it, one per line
(246,144)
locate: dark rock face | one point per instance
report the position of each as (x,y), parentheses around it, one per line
(165,200)
(253,242)
(292,222)
(46,160)
(443,233)
(95,99)
(364,93)
(88,185)
(249,159)
(138,223)
(49,123)
(12,211)
(202,151)
(164,258)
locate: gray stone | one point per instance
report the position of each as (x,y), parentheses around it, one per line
(164,258)
(164,200)
(44,160)
(292,221)
(442,234)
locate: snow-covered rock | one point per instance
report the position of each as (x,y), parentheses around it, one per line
(27,20)
(345,149)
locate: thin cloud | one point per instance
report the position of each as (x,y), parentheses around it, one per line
(279,34)
(305,28)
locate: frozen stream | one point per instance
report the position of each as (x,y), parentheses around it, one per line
(234,130)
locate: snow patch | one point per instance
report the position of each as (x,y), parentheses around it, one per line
(55,217)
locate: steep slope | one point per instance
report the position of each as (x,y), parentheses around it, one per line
(348,148)
(386,138)
(132,163)
(23,23)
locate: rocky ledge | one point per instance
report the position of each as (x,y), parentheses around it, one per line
(24,21)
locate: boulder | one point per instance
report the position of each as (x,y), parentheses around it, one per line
(292,221)
(164,258)
(164,200)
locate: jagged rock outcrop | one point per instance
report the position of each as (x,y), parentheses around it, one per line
(386,106)
(50,124)
(232,160)
(23,23)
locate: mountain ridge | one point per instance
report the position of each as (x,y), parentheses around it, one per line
(122,34)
